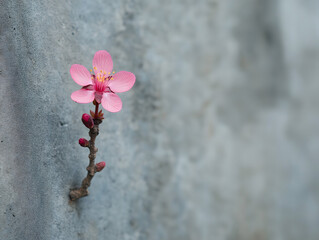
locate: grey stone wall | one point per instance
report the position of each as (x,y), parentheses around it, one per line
(218,139)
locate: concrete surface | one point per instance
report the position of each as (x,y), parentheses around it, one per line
(218,139)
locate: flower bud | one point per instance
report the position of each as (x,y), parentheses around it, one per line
(83,142)
(99,166)
(87,120)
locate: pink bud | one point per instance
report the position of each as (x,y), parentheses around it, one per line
(99,166)
(83,142)
(87,120)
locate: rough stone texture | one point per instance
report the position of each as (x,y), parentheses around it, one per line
(218,139)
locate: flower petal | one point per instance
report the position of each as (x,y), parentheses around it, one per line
(80,75)
(102,61)
(122,81)
(111,102)
(83,96)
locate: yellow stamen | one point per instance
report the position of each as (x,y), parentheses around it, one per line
(113,72)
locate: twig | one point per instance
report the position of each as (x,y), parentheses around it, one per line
(83,190)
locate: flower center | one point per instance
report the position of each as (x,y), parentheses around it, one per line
(100,80)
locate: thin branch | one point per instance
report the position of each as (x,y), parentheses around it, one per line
(83,190)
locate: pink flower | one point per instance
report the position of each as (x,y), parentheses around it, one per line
(103,84)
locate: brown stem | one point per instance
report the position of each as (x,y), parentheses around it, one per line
(96,110)
(83,190)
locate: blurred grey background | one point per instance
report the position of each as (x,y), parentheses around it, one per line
(217,140)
